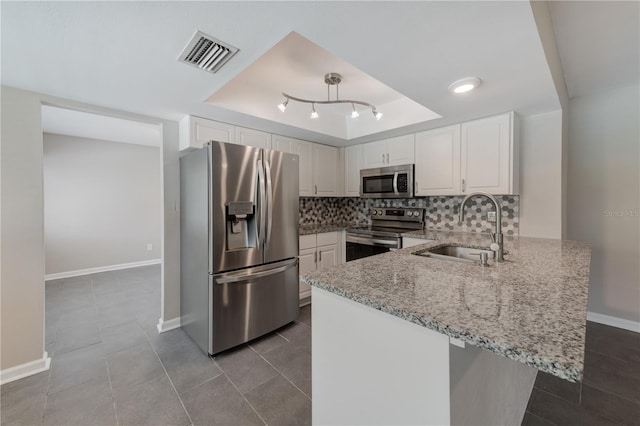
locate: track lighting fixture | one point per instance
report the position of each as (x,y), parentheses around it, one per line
(331,79)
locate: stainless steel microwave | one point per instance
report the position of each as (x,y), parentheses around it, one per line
(387,182)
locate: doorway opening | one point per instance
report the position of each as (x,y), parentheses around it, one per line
(103,223)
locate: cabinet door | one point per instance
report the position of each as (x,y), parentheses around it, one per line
(307,263)
(327,256)
(438,161)
(325,170)
(352,165)
(303,150)
(196,131)
(282,143)
(400,150)
(486,155)
(252,137)
(374,154)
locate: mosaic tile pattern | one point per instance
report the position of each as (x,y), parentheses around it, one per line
(327,210)
(531,308)
(442,214)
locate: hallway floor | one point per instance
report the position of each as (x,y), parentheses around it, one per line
(111,367)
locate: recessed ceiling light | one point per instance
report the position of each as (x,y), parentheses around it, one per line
(464,85)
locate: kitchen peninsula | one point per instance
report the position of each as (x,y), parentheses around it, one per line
(405,339)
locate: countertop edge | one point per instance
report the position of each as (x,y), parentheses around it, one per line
(548,366)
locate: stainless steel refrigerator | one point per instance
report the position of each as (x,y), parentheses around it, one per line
(239,243)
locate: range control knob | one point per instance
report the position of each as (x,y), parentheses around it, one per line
(380,212)
(374,212)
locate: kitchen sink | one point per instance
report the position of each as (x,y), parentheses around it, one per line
(456,253)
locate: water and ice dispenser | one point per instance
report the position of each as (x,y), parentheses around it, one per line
(241,225)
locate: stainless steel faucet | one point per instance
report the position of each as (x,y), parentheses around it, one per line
(496,237)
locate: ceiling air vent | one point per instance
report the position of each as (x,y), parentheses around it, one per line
(206,52)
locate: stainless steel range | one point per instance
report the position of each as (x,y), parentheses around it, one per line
(384,233)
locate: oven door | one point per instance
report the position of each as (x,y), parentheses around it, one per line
(359,246)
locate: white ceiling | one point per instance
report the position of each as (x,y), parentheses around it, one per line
(297,67)
(122,55)
(85,125)
(599,44)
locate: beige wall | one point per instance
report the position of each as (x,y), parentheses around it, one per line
(101,203)
(603,196)
(22,221)
(541,175)
(22,286)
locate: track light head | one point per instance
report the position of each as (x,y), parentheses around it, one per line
(314,114)
(376,114)
(354,113)
(283,105)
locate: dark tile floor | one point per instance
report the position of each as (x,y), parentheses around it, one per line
(111,367)
(609,393)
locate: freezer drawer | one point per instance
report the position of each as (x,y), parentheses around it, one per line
(250,303)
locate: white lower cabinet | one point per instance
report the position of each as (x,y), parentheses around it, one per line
(317,252)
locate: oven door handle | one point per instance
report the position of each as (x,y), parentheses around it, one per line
(372,241)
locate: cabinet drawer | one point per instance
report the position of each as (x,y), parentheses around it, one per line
(307,241)
(327,238)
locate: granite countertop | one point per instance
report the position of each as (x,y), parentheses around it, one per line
(318,228)
(531,308)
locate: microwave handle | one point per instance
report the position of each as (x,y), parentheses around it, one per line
(395,183)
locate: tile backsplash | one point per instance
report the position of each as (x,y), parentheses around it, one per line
(442,212)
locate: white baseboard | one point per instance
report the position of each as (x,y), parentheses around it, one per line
(168,325)
(614,321)
(27,369)
(88,271)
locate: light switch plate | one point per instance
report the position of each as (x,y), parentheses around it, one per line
(491,216)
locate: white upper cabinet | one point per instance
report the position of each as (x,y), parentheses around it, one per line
(489,155)
(389,152)
(325,171)
(352,166)
(438,161)
(480,155)
(252,137)
(400,150)
(374,154)
(303,149)
(196,131)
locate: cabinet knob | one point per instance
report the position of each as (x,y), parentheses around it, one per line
(316,189)
(382,158)
(463,185)
(387,158)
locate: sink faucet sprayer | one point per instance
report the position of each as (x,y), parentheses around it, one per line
(497,236)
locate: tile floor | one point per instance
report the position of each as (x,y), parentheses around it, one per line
(609,393)
(111,367)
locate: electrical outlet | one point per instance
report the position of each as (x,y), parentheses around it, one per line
(491,216)
(149,247)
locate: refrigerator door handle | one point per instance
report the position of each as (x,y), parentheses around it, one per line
(269,191)
(234,277)
(261,203)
